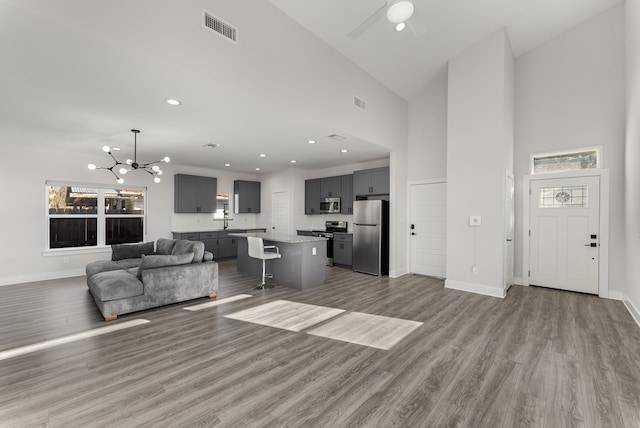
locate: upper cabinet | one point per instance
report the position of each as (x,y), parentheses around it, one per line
(371,181)
(340,186)
(194,194)
(346,201)
(312,196)
(331,187)
(246,195)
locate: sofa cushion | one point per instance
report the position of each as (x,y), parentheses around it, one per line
(128,263)
(164,246)
(160,260)
(183,246)
(130,251)
(113,285)
(101,266)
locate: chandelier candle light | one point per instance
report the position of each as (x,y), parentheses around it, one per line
(133,164)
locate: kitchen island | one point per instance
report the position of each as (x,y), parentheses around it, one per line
(303,261)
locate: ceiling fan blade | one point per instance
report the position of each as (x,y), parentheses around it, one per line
(364,26)
(417,24)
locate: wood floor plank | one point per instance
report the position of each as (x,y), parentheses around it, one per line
(538,357)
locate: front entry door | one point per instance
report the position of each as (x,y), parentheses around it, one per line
(564,243)
(428,204)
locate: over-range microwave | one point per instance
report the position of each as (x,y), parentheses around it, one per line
(330,205)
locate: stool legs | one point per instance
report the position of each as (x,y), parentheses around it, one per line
(263,285)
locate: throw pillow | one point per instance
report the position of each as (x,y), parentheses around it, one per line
(165,246)
(183,246)
(131,251)
(159,260)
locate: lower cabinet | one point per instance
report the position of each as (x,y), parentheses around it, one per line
(219,243)
(343,249)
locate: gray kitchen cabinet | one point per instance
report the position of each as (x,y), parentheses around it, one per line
(312,196)
(331,187)
(346,201)
(343,249)
(210,240)
(227,247)
(371,181)
(246,196)
(194,194)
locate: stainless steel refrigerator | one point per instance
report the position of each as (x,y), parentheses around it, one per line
(371,237)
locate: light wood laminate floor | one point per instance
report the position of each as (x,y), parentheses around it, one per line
(539,357)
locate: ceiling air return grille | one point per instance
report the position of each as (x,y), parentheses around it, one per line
(217,25)
(359,103)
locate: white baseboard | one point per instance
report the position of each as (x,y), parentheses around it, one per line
(397,273)
(615,295)
(635,313)
(9,280)
(475,288)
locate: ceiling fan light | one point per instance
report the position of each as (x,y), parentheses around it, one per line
(166,159)
(106,149)
(92,166)
(123,171)
(120,180)
(400,26)
(400,11)
(156,180)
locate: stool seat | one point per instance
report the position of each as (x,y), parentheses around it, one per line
(256,250)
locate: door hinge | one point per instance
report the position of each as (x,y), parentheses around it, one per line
(529,274)
(529,191)
(529,232)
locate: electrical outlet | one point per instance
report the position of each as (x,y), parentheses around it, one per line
(474,270)
(313,251)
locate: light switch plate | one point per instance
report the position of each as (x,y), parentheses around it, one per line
(475,220)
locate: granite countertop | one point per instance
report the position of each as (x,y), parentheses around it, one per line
(281,237)
(211,229)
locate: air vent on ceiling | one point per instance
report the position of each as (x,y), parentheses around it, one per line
(359,103)
(336,137)
(217,25)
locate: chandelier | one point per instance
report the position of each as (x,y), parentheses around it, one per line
(149,167)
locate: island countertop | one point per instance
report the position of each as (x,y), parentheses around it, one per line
(280,237)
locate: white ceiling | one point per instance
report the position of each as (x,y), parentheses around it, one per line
(63,88)
(404,62)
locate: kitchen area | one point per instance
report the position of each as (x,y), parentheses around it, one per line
(347,216)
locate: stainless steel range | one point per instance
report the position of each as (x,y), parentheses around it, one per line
(329,228)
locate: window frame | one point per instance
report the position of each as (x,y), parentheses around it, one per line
(101,216)
(597,149)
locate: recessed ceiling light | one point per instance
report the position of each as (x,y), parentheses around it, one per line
(312,141)
(172,102)
(257,169)
(262,155)
(227,164)
(344,151)
(292,161)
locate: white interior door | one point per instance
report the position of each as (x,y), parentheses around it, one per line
(564,243)
(508,232)
(428,217)
(280,212)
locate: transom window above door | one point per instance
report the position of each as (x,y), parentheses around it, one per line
(565,160)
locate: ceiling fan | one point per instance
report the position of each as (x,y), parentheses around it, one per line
(401,13)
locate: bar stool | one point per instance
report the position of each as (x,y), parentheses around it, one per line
(256,250)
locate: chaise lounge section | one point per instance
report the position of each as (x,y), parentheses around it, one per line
(139,277)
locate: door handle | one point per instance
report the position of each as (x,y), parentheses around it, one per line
(413,233)
(509,240)
(593,244)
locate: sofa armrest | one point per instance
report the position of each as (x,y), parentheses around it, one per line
(183,282)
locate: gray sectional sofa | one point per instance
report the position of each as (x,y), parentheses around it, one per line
(139,276)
